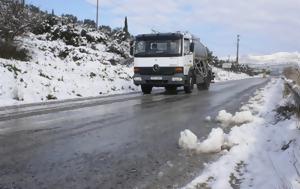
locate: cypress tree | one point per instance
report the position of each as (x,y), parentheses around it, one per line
(126,26)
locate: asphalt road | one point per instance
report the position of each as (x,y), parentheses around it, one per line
(124,141)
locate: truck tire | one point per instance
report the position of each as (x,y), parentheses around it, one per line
(188,88)
(205,85)
(146,89)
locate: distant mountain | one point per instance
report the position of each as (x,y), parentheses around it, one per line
(272,59)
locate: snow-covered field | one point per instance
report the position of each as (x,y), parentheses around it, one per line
(260,151)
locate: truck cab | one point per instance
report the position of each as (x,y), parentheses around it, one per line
(169,60)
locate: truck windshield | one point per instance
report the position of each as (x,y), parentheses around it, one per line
(158,48)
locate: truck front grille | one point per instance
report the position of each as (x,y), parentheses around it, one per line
(160,71)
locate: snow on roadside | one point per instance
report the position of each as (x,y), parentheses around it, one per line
(189,141)
(226,119)
(223,75)
(256,159)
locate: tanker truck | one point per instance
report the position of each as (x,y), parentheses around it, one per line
(170,60)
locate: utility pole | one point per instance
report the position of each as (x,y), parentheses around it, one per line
(22,2)
(238,49)
(97,15)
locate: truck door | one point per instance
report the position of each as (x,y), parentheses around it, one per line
(188,56)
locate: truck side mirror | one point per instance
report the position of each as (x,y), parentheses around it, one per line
(192,47)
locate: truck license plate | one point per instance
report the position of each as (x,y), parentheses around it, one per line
(156,78)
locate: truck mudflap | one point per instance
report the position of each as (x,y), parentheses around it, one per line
(160,80)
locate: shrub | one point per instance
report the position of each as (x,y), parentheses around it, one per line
(51,97)
(63,54)
(89,23)
(15,19)
(10,50)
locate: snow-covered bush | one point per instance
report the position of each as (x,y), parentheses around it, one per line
(15,20)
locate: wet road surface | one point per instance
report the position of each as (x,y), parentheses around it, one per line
(123,141)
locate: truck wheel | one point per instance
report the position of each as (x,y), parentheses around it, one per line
(188,88)
(204,86)
(146,89)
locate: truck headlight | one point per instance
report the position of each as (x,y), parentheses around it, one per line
(177,79)
(137,79)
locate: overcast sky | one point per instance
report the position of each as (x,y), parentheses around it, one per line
(265,26)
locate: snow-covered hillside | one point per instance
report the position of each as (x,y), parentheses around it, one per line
(272,59)
(60,71)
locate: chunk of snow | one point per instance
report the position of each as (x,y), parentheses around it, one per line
(242,117)
(224,117)
(208,118)
(188,140)
(213,143)
(227,119)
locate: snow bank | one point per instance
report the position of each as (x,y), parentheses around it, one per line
(257,159)
(223,75)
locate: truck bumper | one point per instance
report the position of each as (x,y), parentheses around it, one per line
(160,80)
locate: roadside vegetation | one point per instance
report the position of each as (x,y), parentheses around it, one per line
(292,74)
(17,20)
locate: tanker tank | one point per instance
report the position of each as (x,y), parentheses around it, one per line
(200,50)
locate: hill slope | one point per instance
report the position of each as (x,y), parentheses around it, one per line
(272,59)
(60,71)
